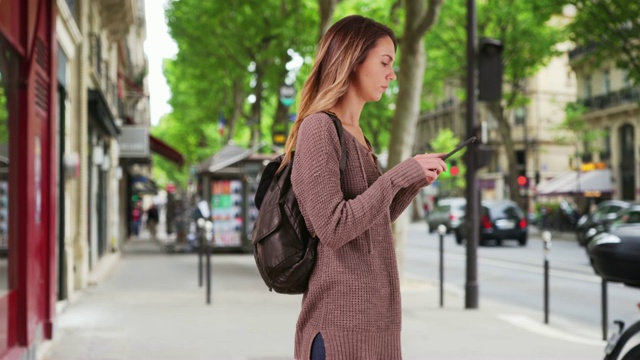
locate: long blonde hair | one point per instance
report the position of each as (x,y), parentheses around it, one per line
(344,46)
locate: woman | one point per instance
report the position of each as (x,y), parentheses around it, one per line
(351,309)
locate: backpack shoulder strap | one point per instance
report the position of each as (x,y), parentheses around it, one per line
(343,148)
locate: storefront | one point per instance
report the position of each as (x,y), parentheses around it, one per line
(228,181)
(28,170)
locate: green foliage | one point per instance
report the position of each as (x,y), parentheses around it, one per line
(224,46)
(449,185)
(228,45)
(574,129)
(194,143)
(165,172)
(524,27)
(376,122)
(610,29)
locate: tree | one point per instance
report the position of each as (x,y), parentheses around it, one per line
(231,62)
(608,29)
(419,18)
(326,8)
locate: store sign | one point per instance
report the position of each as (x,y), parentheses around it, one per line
(134,142)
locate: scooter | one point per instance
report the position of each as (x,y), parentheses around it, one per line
(615,256)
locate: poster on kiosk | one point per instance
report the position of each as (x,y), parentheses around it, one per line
(227,214)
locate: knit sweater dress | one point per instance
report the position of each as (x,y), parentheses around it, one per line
(353,298)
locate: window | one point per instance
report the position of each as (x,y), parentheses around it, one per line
(587,156)
(606,82)
(587,87)
(605,154)
(625,78)
(520,116)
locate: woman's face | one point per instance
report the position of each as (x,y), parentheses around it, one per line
(371,78)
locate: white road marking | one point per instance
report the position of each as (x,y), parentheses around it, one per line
(537,327)
(528,268)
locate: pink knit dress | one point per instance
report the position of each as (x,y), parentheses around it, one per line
(354,294)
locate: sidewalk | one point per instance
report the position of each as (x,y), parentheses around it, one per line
(151,307)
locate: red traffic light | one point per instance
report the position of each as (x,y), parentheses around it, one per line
(454,170)
(522,180)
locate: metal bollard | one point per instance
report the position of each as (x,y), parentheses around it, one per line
(200,223)
(441,231)
(605,317)
(546,236)
(209,236)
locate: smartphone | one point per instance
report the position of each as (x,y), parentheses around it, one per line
(459,147)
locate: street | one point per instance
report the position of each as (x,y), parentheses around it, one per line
(514,274)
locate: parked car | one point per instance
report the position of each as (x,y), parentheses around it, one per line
(605,214)
(448,212)
(499,220)
(628,216)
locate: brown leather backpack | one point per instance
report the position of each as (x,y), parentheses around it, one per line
(284,250)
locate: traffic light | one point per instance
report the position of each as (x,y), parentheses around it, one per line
(521,158)
(523,181)
(279,138)
(453,169)
(134,198)
(490,69)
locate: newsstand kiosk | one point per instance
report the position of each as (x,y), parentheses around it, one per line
(228,181)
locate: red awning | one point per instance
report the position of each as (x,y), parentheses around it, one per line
(161,148)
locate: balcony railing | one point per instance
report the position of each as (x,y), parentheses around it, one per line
(582,50)
(601,102)
(117,16)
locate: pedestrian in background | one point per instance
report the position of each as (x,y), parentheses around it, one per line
(136,218)
(152,221)
(351,309)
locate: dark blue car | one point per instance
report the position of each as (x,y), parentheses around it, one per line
(499,220)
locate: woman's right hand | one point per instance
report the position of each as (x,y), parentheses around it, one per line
(432,165)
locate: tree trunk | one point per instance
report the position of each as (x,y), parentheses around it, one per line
(418,21)
(412,65)
(326,9)
(238,102)
(505,133)
(256,108)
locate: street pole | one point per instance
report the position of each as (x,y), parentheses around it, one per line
(209,241)
(441,231)
(546,237)
(473,206)
(200,223)
(605,318)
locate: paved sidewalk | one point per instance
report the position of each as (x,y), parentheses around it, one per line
(151,307)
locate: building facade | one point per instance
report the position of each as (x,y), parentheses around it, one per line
(610,104)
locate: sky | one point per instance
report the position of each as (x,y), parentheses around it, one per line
(158,46)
